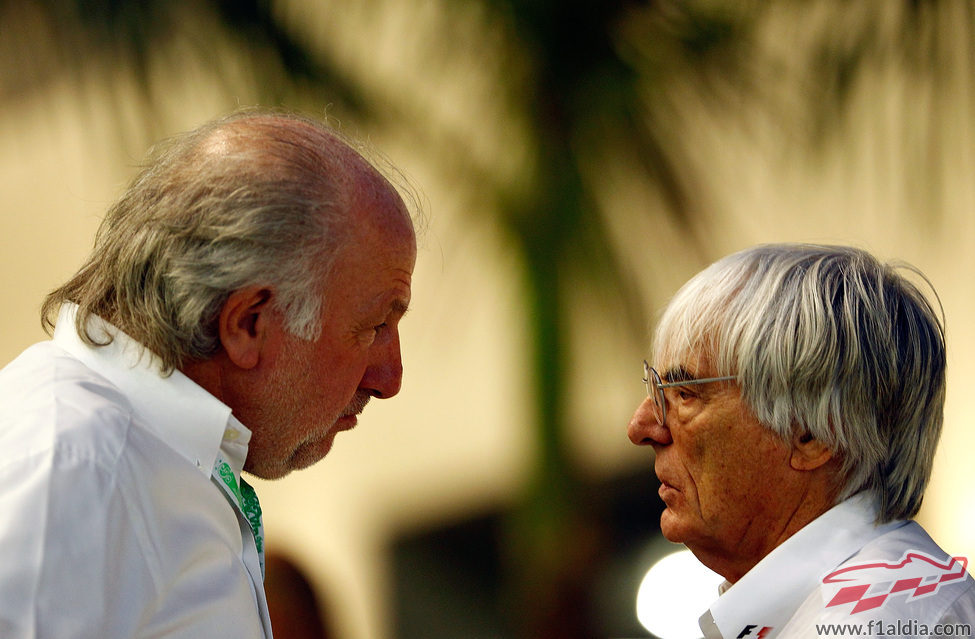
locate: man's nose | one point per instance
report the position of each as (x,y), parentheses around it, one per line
(384,375)
(645,429)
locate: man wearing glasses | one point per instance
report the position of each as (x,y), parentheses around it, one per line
(794,407)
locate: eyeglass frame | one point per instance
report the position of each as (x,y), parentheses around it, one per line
(660,400)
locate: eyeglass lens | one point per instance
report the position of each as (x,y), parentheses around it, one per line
(652,380)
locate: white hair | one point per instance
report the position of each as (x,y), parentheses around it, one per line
(825,340)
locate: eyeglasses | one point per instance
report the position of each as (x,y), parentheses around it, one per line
(651,376)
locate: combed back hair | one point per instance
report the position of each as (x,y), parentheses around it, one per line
(256,198)
(830,342)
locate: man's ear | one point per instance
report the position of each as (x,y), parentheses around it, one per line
(808,453)
(243,325)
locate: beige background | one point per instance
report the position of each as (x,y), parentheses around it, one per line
(455,441)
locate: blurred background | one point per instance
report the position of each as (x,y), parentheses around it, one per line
(576,162)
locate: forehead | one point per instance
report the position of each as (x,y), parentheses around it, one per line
(377,251)
(380,241)
(689,365)
(682,347)
(374,203)
(692,335)
(704,319)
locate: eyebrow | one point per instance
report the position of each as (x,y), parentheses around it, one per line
(677,374)
(399,307)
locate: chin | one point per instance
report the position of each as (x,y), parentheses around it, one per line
(264,471)
(279,468)
(671,527)
(310,453)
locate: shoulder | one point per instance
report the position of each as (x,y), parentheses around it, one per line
(53,402)
(900,583)
(64,433)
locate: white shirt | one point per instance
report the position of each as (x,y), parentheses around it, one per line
(112,523)
(884,572)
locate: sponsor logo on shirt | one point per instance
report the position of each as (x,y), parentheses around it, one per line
(871,585)
(749,631)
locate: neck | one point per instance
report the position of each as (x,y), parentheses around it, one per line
(208,374)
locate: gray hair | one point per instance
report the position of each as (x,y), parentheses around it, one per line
(825,340)
(253,198)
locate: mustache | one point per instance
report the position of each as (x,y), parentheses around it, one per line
(357,405)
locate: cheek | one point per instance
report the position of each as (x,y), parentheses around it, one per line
(331,382)
(718,482)
(714,460)
(741,474)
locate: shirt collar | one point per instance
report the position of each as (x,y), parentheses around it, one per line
(174,408)
(769,594)
(236,438)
